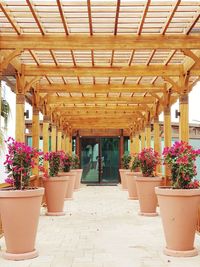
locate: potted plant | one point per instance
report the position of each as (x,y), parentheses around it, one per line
(75,167)
(55,185)
(179,203)
(66,163)
(148,181)
(131,183)
(20,203)
(126,159)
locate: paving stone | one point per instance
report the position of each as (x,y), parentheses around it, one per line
(101,228)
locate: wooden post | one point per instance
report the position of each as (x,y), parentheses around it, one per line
(137,143)
(148,135)
(132,144)
(0,97)
(142,139)
(121,148)
(78,144)
(70,143)
(67,143)
(20,122)
(46,120)
(59,140)
(35,134)
(184,120)
(53,137)
(63,142)
(167,136)
(157,141)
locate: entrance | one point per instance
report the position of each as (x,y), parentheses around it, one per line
(100,159)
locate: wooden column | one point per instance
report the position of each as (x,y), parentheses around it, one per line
(132,144)
(121,148)
(35,134)
(0,97)
(59,140)
(142,139)
(20,122)
(184,118)
(53,137)
(148,135)
(78,144)
(157,140)
(70,144)
(167,136)
(45,132)
(137,143)
(63,142)
(67,143)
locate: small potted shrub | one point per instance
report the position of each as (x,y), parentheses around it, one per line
(76,169)
(20,203)
(126,159)
(148,181)
(55,185)
(131,183)
(179,203)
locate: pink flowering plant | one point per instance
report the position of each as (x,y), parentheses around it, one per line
(66,161)
(19,162)
(181,160)
(54,159)
(75,162)
(149,159)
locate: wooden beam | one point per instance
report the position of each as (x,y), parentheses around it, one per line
(106,108)
(112,88)
(57,100)
(83,42)
(137,70)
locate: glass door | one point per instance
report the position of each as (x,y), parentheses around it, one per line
(100,159)
(90,159)
(109,150)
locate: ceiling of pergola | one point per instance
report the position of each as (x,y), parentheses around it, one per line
(102,64)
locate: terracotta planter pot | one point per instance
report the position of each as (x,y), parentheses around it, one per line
(20,210)
(179,210)
(123,178)
(70,189)
(55,190)
(77,184)
(131,184)
(146,194)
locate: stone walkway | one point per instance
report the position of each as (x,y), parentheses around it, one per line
(101,229)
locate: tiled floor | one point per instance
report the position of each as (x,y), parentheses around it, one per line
(101,228)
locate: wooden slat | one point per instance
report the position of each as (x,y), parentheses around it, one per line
(62,16)
(35,17)
(143,17)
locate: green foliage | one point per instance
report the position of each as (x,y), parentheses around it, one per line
(126,159)
(135,163)
(5,110)
(75,162)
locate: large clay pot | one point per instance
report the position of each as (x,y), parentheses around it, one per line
(146,194)
(123,178)
(55,190)
(77,184)
(20,210)
(179,210)
(70,189)
(131,184)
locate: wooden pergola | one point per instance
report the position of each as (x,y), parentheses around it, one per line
(95,64)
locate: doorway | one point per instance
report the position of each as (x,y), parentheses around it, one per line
(100,159)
